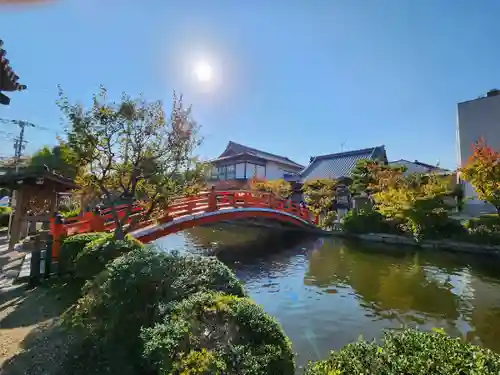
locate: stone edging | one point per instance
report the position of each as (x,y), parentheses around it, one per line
(465,247)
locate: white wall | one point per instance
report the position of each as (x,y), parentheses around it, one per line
(276,171)
(475,119)
(240,170)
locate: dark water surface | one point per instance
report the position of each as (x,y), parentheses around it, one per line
(327,292)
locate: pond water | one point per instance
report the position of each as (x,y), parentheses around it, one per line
(327,292)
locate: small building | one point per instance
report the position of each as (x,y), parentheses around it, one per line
(340,165)
(35,200)
(477,118)
(238,164)
(9,80)
(417,167)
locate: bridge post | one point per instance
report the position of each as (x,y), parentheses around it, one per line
(57,231)
(212,200)
(270,200)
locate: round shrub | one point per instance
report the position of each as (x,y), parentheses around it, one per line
(135,291)
(97,253)
(365,221)
(74,245)
(214,333)
(409,352)
(4,216)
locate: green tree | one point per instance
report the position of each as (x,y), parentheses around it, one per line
(59,158)
(482,171)
(130,148)
(320,196)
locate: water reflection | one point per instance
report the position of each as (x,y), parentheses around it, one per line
(327,292)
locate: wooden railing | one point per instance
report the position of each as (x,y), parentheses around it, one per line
(208,201)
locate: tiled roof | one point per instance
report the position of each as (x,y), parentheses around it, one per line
(416,162)
(338,165)
(240,149)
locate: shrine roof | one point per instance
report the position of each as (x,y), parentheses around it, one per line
(35,176)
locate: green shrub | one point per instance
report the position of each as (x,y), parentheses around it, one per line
(96,254)
(4,216)
(422,224)
(409,352)
(71,213)
(134,292)
(365,221)
(74,245)
(213,333)
(483,230)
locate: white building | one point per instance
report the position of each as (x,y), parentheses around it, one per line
(239,163)
(478,118)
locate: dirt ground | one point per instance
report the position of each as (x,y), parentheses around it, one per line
(31,339)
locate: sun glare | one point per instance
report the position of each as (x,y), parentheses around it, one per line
(203,72)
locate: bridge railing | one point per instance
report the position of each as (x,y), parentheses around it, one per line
(206,201)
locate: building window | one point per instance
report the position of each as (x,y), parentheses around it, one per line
(255,170)
(231,172)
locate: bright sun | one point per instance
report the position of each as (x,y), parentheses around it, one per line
(203,72)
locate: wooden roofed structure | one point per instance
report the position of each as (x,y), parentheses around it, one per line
(36,197)
(9,80)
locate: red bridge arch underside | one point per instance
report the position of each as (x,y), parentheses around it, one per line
(154,232)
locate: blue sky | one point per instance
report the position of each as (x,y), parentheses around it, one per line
(292,77)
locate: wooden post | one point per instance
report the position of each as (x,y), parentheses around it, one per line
(212,200)
(270,200)
(15,228)
(35,263)
(48,256)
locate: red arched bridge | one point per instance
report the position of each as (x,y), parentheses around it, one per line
(247,207)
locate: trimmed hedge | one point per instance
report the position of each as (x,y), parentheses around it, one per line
(409,352)
(72,246)
(4,216)
(134,292)
(96,254)
(214,333)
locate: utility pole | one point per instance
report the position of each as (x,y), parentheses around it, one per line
(342,146)
(19,142)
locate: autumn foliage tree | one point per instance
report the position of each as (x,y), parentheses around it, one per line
(370,175)
(279,187)
(130,149)
(416,201)
(482,171)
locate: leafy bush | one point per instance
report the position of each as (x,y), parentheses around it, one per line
(135,291)
(72,246)
(4,216)
(409,352)
(213,333)
(432,225)
(484,230)
(365,221)
(71,213)
(97,253)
